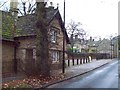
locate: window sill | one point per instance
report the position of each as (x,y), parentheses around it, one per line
(54,43)
(55,62)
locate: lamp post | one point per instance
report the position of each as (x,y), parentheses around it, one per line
(63,61)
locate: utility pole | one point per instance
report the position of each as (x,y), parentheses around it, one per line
(63,66)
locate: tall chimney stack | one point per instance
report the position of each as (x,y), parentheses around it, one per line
(90,38)
(13,5)
(14,12)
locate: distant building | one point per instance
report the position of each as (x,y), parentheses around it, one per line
(80,45)
(103,46)
(92,45)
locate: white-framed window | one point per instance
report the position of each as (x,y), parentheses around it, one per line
(53,37)
(55,56)
(23,54)
(34,54)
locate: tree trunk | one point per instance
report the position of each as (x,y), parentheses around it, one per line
(42,51)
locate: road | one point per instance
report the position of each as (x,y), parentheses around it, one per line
(104,77)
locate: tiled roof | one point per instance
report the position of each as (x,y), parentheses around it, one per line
(26,24)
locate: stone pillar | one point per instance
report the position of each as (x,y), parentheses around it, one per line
(83,60)
(80,60)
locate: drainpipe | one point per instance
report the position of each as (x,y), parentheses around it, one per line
(15,60)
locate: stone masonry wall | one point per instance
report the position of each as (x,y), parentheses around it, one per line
(7,57)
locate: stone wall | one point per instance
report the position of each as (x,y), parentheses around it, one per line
(26,61)
(59,45)
(29,42)
(7,57)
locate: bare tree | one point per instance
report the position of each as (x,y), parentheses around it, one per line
(24,7)
(27,7)
(2,4)
(74,30)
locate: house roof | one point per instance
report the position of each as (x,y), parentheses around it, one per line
(94,43)
(26,24)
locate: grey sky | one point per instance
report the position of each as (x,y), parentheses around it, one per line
(98,17)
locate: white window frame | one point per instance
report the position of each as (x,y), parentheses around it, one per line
(55,56)
(53,37)
(34,54)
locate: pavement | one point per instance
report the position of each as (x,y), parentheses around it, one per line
(72,71)
(81,69)
(77,70)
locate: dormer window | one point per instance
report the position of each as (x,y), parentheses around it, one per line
(53,36)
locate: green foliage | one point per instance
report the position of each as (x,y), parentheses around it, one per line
(74,50)
(7,26)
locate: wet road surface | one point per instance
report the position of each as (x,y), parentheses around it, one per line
(104,77)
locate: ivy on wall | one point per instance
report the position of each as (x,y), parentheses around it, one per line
(8,26)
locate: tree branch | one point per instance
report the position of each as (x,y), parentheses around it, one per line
(3,4)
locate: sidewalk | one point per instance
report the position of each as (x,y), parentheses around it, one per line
(77,70)
(80,69)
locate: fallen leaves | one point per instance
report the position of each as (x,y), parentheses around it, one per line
(32,81)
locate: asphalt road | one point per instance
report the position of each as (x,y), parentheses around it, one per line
(104,77)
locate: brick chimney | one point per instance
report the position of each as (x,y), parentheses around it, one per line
(51,7)
(13,8)
(76,37)
(13,5)
(90,39)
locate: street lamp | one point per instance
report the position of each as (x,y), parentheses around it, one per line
(63,61)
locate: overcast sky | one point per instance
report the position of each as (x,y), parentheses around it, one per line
(98,17)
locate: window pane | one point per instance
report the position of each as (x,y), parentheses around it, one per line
(53,36)
(58,55)
(55,56)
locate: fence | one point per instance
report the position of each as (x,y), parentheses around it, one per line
(83,58)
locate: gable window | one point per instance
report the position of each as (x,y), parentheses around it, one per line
(55,56)
(53,36)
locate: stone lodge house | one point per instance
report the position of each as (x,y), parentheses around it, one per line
(20,53)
